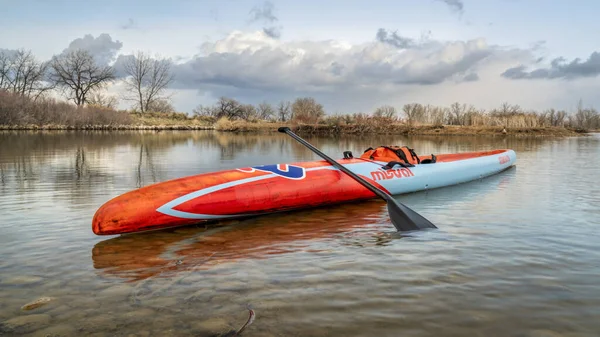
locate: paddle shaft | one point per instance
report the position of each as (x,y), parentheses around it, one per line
(363,182)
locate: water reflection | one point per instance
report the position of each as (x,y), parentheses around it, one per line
(138,256)
(101,157)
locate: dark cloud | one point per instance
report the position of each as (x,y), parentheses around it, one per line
(455,5)
(393,39)
(119,65)
(273,32)
(131,24)
(441,70)
(103,48)
(559,68)
(263,13)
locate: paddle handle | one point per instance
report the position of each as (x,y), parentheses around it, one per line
(378,192)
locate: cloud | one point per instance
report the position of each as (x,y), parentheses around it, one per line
(103,48)
(264,13)
(558,69)
(131,24)
(455,5)
(256,65)
(393,39)
(273,32)
(119,65)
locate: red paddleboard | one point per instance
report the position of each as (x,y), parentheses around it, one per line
(264,189)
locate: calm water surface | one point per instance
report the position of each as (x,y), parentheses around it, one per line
(515,254)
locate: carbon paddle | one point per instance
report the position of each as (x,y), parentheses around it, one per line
(403,218)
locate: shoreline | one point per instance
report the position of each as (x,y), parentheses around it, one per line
(322,130)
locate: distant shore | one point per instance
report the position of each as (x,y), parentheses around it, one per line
(323,130)
(305,116)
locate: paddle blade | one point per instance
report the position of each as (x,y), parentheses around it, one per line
(405,219)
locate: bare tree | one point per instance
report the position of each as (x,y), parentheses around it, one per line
(248,112)
(414,113)
(78,74)
(458,113)
(22,74)
(161,105)
(100,99)
(385,111)
(508,110)
(265,111)
(147,79)
(228,107)
(5,65)
(284,110)
(205,111)
(307,110)
(551,117)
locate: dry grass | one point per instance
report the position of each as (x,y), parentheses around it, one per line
(455,130)
(21,111)
(225,124)
(386,126)
(174,119)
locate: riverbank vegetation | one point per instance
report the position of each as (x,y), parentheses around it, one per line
(29,91)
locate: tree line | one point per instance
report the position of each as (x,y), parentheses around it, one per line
(78,76)
(307,110)
(303,110)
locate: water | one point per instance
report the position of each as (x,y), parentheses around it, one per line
(515,254)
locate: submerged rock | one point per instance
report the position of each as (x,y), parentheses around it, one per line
(37,303)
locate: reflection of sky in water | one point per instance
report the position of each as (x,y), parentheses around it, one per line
(508,246)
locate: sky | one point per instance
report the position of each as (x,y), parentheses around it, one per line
(350,55)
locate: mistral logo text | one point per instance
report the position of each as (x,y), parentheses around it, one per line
(390,174)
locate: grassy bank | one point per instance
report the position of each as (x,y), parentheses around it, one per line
(226,125)
(22,113)
(166,122)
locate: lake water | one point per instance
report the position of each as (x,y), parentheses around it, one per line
(516,254)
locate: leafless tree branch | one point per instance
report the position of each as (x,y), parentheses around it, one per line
(22,74)
(78,74)
(147,79)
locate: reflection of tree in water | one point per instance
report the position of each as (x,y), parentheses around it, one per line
(80,164)
(2,175)
(145,149)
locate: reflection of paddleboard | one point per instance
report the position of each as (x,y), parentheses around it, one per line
(137,257)
(266,189)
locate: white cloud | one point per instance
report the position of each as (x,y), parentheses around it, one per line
(103,48)
(252,66)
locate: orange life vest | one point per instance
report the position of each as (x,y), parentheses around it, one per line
(392,154)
